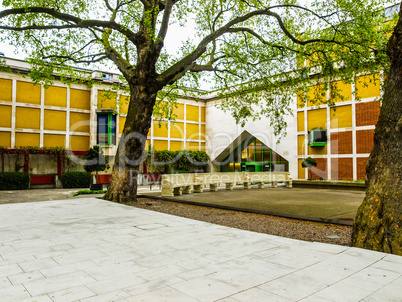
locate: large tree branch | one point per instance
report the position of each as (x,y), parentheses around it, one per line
(164,24)
(182,66)
(305,9)
(322,17)
(124,65)
(163,4)
(108,5)
(79,23)
(39,27)
(91,58)
(121,4)
(261,39)
(199,68)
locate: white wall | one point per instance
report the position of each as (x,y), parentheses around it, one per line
(221,131)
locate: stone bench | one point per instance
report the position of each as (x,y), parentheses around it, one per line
(178,184)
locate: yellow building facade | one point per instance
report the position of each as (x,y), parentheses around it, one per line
(349,126)
(79,116)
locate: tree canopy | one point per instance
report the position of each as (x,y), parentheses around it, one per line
(256,51)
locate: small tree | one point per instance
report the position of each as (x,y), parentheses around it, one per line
(96,161)
(308,163)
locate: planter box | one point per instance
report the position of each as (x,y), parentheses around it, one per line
(98,187)
(103,179)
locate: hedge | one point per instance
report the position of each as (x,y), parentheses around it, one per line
(14,181)
(76,179)
(184,160)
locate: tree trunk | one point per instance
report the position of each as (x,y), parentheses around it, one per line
(379,219)
(130,152)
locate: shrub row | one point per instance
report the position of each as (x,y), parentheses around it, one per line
(14,181)
(184,160)
(76,179)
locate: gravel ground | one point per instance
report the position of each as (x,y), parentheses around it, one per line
(284,227)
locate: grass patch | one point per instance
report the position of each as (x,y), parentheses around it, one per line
(334,180)
(83,192)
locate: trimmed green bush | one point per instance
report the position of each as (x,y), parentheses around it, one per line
(14,181)
(76,179)
(184,160)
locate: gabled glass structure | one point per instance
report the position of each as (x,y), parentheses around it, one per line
(253,156)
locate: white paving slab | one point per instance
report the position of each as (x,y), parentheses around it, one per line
(89,249)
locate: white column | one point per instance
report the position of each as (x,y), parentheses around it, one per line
(92,123)
(185,125)
(199,128)
(329,155)
(67,142)
(117,134)
(42,115)
(354,148)
(168,135)
(152,132)
(13,111)
(305,139)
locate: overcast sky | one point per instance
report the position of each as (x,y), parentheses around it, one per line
(175,37)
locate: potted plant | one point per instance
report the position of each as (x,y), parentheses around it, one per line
(96,161)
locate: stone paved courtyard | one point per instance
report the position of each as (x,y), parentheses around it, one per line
(88,249)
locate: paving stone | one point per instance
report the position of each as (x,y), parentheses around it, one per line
(56,283)
(199,272)
(344,292)
(384,264)
(41,298)
(371,278)
(152,285)
(256,294)
(10,269)
(78,257)
(390,293)
(14,293)
(71,294)
(295,286)
(16,257)
(118,295)
(114,270)
(240,278)
(161,295)
(64,269)
(161,272)
(24,277)
(116,283)
(316,298)
(206,289)
(150,226)
(4,282)
(297,257)
(36,265)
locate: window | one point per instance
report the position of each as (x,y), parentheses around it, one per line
(317,137)
(106,76)
(253,156)
(106,129)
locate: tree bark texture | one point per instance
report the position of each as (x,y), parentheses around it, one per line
(130,152)
(379,219)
